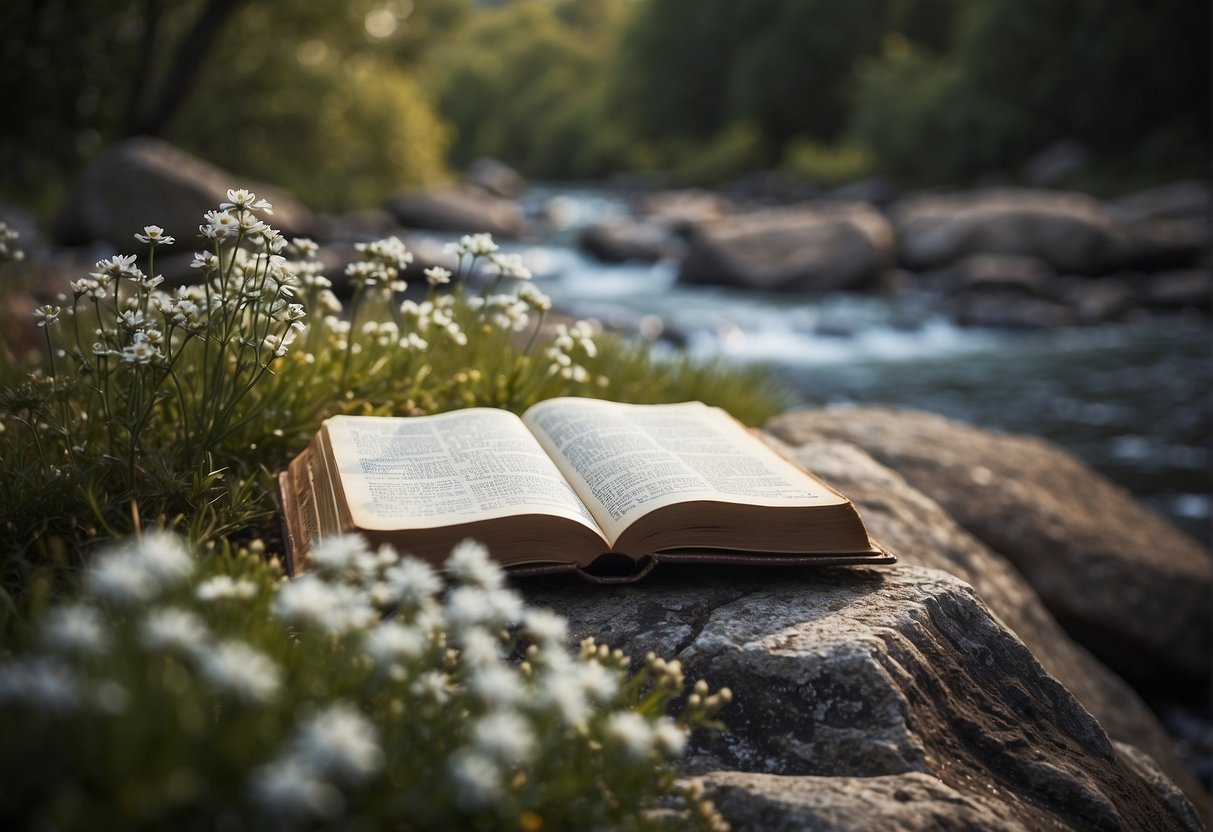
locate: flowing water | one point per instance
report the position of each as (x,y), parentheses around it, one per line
(1130,399)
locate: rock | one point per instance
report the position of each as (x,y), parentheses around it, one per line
(921,533)
(146,181)
(1160,244)
(1123,581)
(1009,309)
(1052,165)
(458,209)
(679,210)
(496,177)
(1179,200)
(1006,272)
(909,802)
(622,241)
(860,681)
(1069,231)
(1098,301)
(354,226)
(1179,289)
(809,248)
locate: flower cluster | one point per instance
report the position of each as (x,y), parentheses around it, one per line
(410,701)
(8,244)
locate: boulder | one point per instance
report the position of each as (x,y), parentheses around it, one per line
(1153,245)
(146,181)
(1010,309)
(921,533)
(1187,288)
(1178,200)
(457,208)
(679,210)
(1069,231)
(807,248)
(623,241)
(1122,580)
(1097,301)
(495,177)
(859,689)
(1005,272)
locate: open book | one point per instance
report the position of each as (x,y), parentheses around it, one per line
(572,483)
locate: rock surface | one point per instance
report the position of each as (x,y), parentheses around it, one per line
(1069,231)
(496,177)
(459,209)
(1122,580)
(623,241)
(146,181)
(811,248)
(857,690)
(921,533)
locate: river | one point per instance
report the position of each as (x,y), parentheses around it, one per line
(1133,400)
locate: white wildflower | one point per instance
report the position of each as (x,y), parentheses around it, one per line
(289,788)
(47,315)
(219,225)
(121,577)
(335,608)
(204,260)
(412,581)
(173,629)
(339,741)
(39,681)
(74,628)
(471,564)
(508,266)
(433,685)
(235,667)
(120,265)
(504,736)
(479,648)
(548,629)
(391,641)
(632,732)
(470,606)
(109,697)
(244,200)
(154,235)
(304,247)
(478,780)
(437,276)
(670,737)
(223,587)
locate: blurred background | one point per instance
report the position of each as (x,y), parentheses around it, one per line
(997,209)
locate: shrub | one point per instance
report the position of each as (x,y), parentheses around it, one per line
(176,695)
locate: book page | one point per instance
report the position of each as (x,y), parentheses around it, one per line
(626,460)
(429,471)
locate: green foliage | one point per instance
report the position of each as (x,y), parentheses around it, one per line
(318,97)
(180,694)
(519,83)
(826,164)
(176,409)
(1128,80)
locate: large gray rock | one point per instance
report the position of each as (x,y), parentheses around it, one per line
(496,177)
(1178,200)
(1069,231)
(1122,580)
(680,210)
(921,533)
(813,248)
(457,208)
(146,181)
(877,688)
(624,241)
